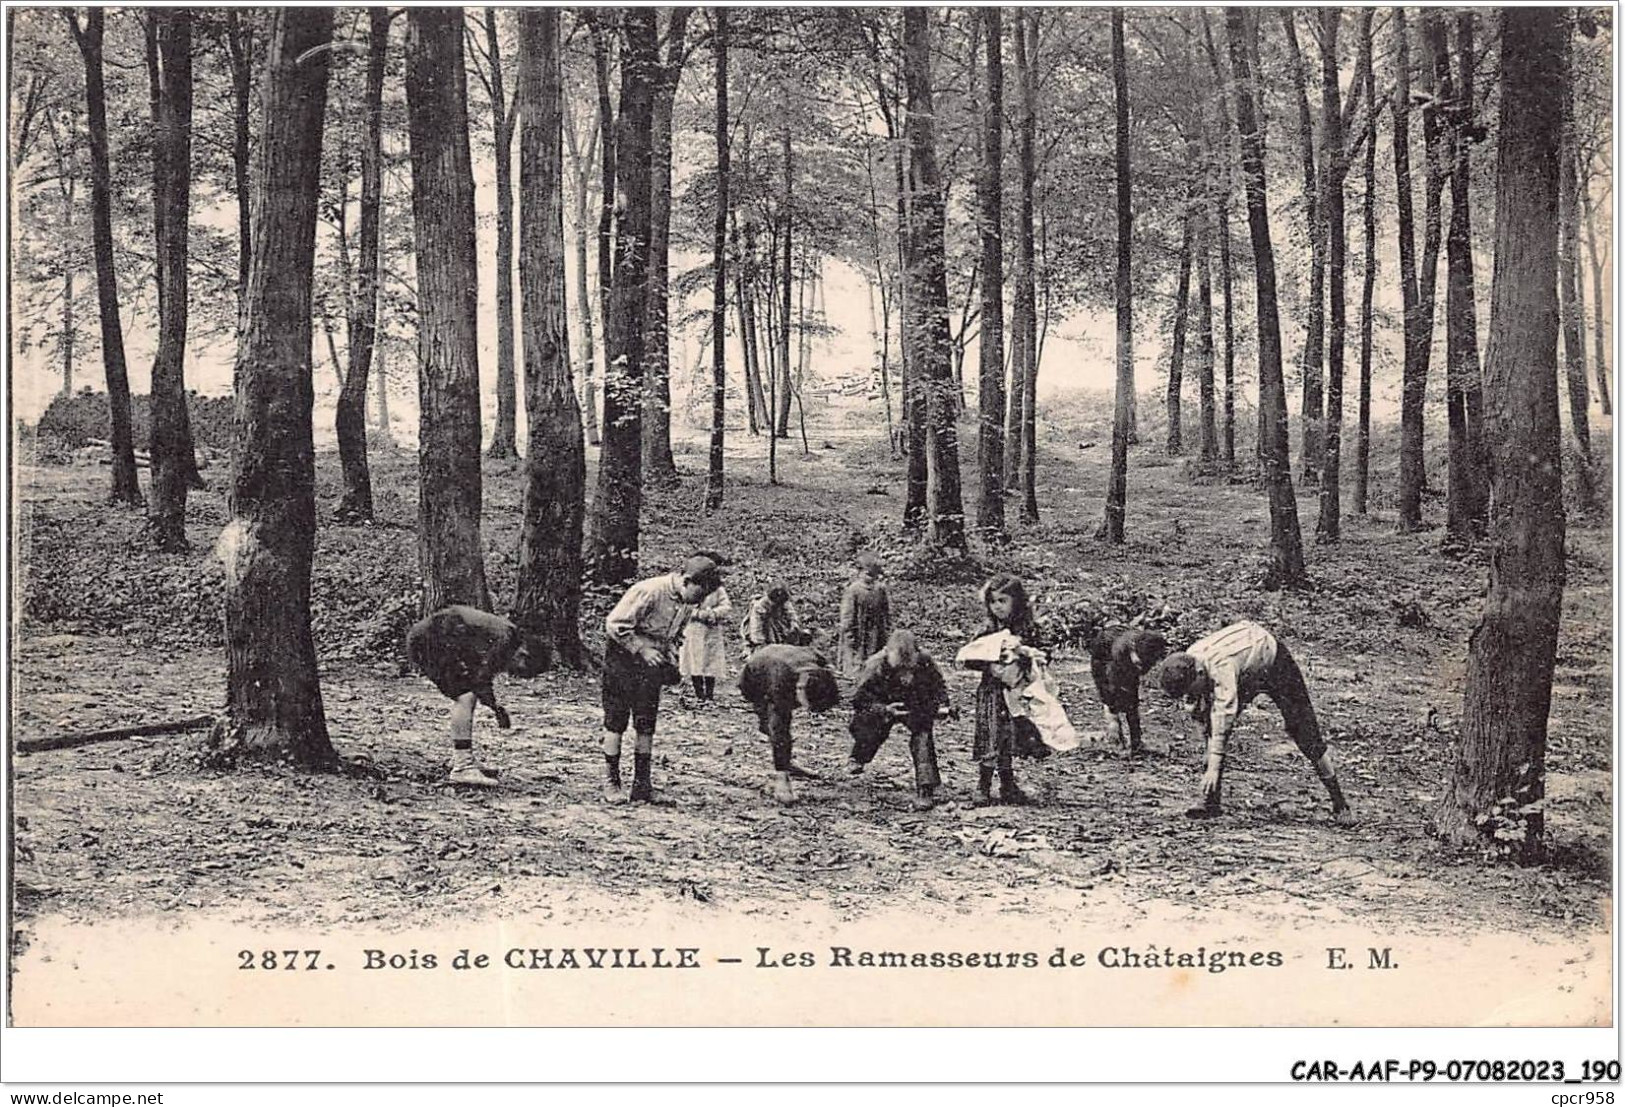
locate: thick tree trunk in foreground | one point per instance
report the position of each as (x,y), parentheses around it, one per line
(173,462)
(618,495)
(273,695)
(451,554)
(89,37)
(1286,542)
(1117,486)
(928,292)
(989,194)
(1493,796)
(351,420)
(547,598)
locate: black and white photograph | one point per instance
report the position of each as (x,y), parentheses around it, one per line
(1064,516)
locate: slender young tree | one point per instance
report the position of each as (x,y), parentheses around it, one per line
(618,498)
(989,194)
(173,463)
(273,692)
(1314,341)
(1468,499)
(1221,205)
(1182,296)
(1368,285)
(581,163)
(1600,349)
(719,262)
(451,554)
(1117,488)
(350,421)
(505,435)
(1286,541)
(547,597)
(1332,165)
(600,25)
(928,290)
(89,36)
(1207,458)
(658,464)
(1494,793)
(1024,305)
(1413,399)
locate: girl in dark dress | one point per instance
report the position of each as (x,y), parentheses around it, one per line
(1000,738)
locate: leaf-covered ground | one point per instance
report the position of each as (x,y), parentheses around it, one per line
(113,635)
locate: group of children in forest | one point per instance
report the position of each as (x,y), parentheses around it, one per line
(679,625)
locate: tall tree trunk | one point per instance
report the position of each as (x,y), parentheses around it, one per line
(1208,441)
(1468,504)
(1314,348)
(658,464)
(173,462)
(1182,299)
(607,159)
(719,262)
(451,555)
(273,693)
(1117,487)
(1222,226)
(125,490)
(1494,793)
(1600,355)
(928,291)
(1286,542)
(618,498)
(882,333)
(505,435)
(582,165)
(1024,308)
(744,283)
(350,422)
(381,371)
(1368,285)
(786,288)
(914,397)
(1329,528)
(547,596)
(1412,473)
(1573,322)
(989,194)
(240,45)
